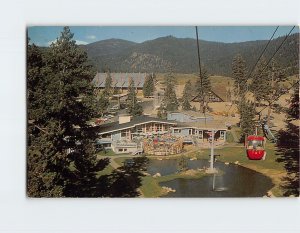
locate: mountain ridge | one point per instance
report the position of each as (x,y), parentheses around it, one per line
(180,54)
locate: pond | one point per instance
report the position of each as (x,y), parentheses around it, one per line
(235,180)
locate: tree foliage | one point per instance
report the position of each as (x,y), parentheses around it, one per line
(61,157)
(59,108)
(148,88)
(108,84)
(134,108)
(239,76)
(170,102)
(247,115)
(288,148)
(260,81)
(203,87)
(102,103)
(187,96)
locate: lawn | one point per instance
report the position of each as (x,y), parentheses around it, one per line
(231,153)
(105,153)
(151,188)
(106,171)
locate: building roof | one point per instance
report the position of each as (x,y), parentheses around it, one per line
(120,79)
(138,120)
(193,113)
(218,91)
(214,124)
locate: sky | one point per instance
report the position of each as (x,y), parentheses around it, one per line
(44,35)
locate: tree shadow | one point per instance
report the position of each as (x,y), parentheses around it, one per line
(288,151)
(125,181)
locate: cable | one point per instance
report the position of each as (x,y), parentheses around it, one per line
(200,72)
(198,50)
(297,82)
(278,49)
(262,52)
(260,56)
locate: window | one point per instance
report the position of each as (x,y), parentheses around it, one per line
(200,134)
(191,131)
(125,134)
(125,149)
(255,144)
(159,127)
(107,135)
(222,135)
(120,150)
(177,130)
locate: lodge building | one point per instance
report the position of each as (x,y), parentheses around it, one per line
(127,134)
(120,81)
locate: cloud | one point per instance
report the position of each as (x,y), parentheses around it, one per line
(91,37)
(81,42)
(78,42)
(50,42)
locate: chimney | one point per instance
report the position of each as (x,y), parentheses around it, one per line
(124,118)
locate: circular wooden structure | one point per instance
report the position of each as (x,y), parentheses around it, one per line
(163,145)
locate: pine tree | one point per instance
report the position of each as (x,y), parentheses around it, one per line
(170,100)
(102,103)
(203,87)
(108,84)
(187,95)
(116,90)
(134,108)
(61,139)
(275,83)
(239,76)
(288,148)
(247,115)
(41,181)
(162,111)
(260,82)
(148,88)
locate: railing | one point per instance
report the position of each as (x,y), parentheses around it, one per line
(127,144)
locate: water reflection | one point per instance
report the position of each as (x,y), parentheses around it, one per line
(236,181)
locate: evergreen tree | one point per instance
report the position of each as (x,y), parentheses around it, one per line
(187,96)
(103,103)
(275,82)
(134,108)
(148,88)
(239,76)
(203,87)
(162,111)
(170,100)
(116,90)
(247,115)
(260,82)
(288,148)
(41,181)
(59,109)
(108,84)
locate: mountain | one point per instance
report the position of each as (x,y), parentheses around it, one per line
(180,54)
(108,47)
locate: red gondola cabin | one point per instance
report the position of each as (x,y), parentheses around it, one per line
(255,147)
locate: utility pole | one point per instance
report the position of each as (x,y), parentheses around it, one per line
(212,156)
(212,150)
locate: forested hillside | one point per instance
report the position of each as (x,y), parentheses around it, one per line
(161,54)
